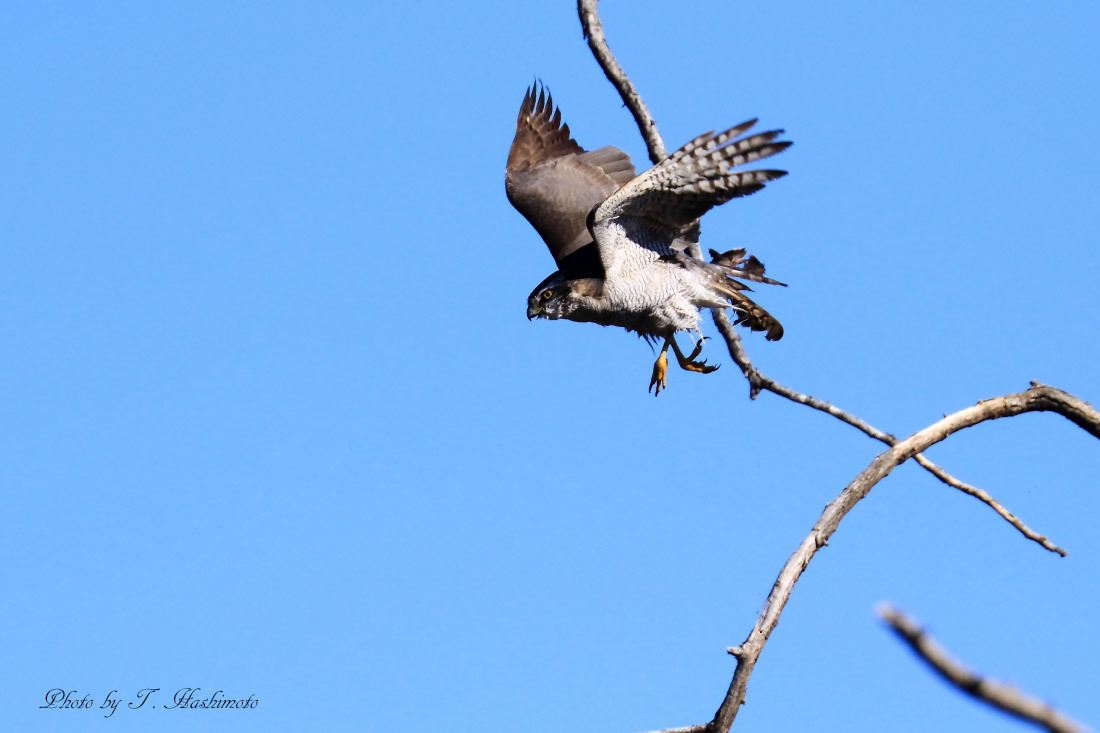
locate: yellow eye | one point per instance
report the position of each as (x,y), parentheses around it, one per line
(547,294)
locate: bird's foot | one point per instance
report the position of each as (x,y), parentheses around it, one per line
(688,362)
(698,348)
(660,369)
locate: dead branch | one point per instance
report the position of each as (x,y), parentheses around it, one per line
(758,382)
(593,32)
(997,694)
(1038,398)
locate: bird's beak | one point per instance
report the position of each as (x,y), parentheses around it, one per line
(533,311)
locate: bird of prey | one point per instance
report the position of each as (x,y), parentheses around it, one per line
(619,238)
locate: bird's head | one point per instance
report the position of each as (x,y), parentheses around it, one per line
(548,299)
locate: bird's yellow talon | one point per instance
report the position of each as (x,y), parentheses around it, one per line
(688,363)
(660,369)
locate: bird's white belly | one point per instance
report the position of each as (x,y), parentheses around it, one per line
(654,294)
(642,286)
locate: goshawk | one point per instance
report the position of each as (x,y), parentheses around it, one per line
(619,239)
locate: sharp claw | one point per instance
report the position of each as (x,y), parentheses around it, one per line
(657,380)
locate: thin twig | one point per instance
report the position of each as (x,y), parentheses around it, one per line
(759,382)
(989,501)
(998,694)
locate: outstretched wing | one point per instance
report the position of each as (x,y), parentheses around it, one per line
(553,181)
(641,220)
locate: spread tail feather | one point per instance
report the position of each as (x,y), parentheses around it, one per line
(755,318)
(735,264)
(746,268)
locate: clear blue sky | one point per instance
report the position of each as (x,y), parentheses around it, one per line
(275,422)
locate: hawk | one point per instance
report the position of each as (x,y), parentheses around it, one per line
(618,238)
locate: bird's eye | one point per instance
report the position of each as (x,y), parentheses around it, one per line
(547,294)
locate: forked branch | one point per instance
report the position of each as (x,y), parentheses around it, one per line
(1038,398)
(593,32)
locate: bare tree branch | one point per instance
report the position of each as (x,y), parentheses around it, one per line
(593,31)
(758,382)
(1037,398)
(998,694)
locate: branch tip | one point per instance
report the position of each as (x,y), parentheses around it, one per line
(999,695)
(758,382)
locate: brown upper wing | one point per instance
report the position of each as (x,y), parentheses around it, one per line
(553,181)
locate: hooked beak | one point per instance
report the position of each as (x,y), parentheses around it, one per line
(533,311)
